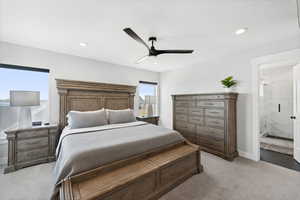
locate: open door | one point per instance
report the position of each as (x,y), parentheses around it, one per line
(296,116)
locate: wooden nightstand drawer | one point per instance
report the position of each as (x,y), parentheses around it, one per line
(34,133)
(25,156)
(34,143)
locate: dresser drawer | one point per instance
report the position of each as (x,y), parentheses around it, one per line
(196,120)
(208,131)
(184,104)
(217,123)
(180,117)
(185,127)
(181,110)
(213,143)
(33,143)
(196,111)
(219,104)
(215,113)
(185,98)
(33,133)
(210,97)
(32,155)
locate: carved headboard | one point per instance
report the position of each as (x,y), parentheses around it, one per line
(89,96)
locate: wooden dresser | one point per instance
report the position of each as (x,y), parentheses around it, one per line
(208,120)
(30,146)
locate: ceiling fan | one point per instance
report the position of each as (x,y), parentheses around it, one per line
(152,50)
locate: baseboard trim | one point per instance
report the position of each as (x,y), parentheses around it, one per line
(247,155)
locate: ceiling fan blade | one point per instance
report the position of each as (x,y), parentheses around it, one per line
(174,51)
(142,59)
(132,34)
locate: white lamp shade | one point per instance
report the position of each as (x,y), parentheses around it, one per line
(24,98)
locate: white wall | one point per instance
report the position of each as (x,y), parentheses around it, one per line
(205,77)
(64,66)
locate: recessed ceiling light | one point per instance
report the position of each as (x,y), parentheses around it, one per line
(241,31)
(83,44)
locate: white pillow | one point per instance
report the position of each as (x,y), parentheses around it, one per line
(120,116)
(77,119)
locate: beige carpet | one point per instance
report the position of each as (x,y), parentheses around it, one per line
(239,180)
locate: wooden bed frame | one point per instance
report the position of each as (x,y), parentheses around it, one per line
(142,177)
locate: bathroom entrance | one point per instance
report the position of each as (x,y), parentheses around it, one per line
(278,96)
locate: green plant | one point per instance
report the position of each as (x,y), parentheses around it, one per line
(228,82)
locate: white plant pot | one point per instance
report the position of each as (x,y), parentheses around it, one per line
(228,90)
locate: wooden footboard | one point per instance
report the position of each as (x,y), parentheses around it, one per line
(145,178)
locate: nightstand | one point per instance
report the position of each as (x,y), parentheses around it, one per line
(150,119)
(30,146)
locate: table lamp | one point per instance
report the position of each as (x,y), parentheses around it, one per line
(24,100)
(150,101)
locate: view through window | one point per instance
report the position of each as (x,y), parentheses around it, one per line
(17,78)
(147,99)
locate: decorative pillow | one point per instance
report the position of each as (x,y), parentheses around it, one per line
(120,116)
(77,119)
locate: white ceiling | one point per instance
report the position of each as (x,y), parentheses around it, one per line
(207,26)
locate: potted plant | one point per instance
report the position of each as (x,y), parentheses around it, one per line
(228,83)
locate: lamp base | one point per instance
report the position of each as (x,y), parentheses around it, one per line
(25,118)
(150,109)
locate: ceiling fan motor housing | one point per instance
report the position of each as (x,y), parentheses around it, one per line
(152,39)
(152,51)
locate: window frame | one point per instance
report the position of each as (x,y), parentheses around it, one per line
(34,69)
(156,94)
(8,66)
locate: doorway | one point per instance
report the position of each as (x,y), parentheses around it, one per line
(276,99)
(276,110)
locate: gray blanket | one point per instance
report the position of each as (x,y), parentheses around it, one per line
(80,150)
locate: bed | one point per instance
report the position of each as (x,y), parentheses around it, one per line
(127,161)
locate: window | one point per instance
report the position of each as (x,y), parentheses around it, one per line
(22,78)
(148,99)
